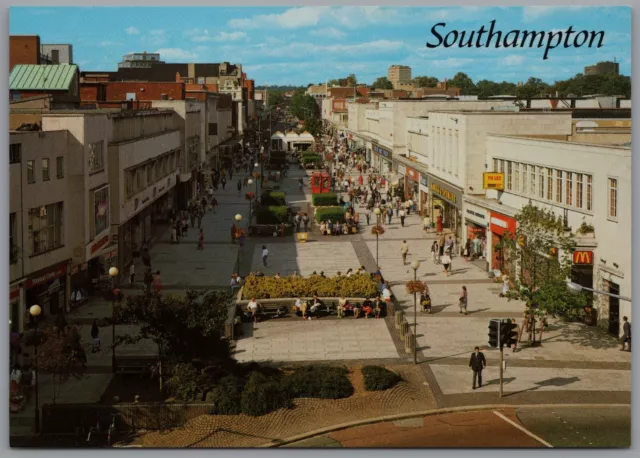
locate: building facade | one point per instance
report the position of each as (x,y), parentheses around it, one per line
(399,75)
(602,68)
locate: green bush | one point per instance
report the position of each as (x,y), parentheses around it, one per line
(308,152)
(377,378)
(311,158)
(272,215)
(324,382)
(226,396)
(327,199)
(333,213)
(262,395)
(185,381)
(273,198)
(290,287)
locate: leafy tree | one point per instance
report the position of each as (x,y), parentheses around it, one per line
(486,89)
(534,87)
(352,81)
(313,125)
(275,97)
(304,106)
(538,260)
(333,82)
(382,83)
(425,81)
(186,381)
(466,85)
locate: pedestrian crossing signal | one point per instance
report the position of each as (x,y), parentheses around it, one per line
(494,333)
(509,334)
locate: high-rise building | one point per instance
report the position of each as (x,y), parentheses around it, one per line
(399,75)
(602,68)
(140,60)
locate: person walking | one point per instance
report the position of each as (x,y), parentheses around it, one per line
(441,245)
(367,215)
(476,364)
(435,251)
(148,280)
(467,250)
(305,221)
(95,335)
(446,262)
(463,300)
(390,213)
(426,224)
(402,217)
(626,334)
(200,214)
(223,182)
(132,273)
(239,186)
(201,240)
(404,249)
(265,253)
(157,282)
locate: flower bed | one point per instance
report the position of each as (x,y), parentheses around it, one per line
(291,287)
(272,214)
(327,199)
(330,213)
(272,198)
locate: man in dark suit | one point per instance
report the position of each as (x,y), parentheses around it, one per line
(477,363)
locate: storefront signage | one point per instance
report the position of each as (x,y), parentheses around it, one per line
(501,224)
(381,151)
(47,276)
(476,215)
(493,180)
(447,193)
(583,258)
(99,245)
(413,174)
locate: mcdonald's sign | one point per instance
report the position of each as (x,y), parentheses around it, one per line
(583,258)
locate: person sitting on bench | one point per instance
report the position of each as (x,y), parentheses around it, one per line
(367,307)
(316,305)
(356,310)
(342,303)
(379,306)
(252,309)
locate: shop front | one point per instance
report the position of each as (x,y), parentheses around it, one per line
(446,206)
(411,184)
(14,304)
(384,159)
(425,208)
(499,225)
(476,220)
(47,288)
(582,274)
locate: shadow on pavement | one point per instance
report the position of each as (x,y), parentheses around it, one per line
(580,335)
(556,381)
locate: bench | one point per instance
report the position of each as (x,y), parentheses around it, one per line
(134,365)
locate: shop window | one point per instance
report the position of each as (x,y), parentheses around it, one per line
(589,193)
(569,189)
(45,228)
(559,186)
(501,165)
(60,167)
(613,198)
(31,171)
(579,190)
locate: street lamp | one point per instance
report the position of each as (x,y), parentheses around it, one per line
(113,273)
(250,182)
(576,288)
(35,311)
(238,218)
(415,265)
(377,212)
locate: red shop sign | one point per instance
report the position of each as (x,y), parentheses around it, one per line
(47,276)
(501,224)
(14,294)
(413,174)
(99,244)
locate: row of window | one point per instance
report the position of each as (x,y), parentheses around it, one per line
(45,168)
(561,186)
(140,177)
(46,228)
(444,150)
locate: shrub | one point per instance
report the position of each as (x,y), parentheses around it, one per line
(327,199)
(185,381)
(273,198)
(289,287)
(272,215)
(324,382)
(377,378)
(262,395)
(332,213)
(308,153)
(226,396)
(311,158)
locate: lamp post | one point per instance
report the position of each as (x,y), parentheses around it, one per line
(113,273)
(35,311)
(377,212)
(256,165)
(415,265)
(250,182)
(576,288)
(238,218)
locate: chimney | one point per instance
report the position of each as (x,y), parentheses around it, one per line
(177,77)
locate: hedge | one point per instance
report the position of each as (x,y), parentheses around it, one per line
(377,378)
(290,287)
(332,213)
(308,152)
(320,381)
(272,214)
(327,199)
(311,158)
(226,396)
(274,198)
(262,395)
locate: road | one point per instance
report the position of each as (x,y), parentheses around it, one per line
(531,427)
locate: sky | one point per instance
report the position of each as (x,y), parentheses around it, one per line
(311,44)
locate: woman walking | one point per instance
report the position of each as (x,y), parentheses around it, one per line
(95,335)
(201,240)
(446,263)
(463,300)
(467,250)
(435,250)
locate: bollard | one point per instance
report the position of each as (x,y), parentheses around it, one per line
(391,308)
(409,342)
(404,330)
(399,318)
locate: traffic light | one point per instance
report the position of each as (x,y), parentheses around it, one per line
(509,334)
(494,333)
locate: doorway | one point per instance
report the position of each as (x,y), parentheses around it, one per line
(614,309)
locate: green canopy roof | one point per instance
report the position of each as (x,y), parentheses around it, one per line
(42,77)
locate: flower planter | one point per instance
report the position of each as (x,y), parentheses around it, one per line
(302,236)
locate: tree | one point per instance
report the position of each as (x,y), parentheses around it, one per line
(538,260)
(486,89)
(382,83)
(352,81)
(333,82)
(313,125)
(466,85)
(303,106)
(275,98)
(534,87)
(60,355)
(425,81)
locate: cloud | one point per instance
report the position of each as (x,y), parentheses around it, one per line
(220,36)
(292,18)
(513,59)
(175,54)
(132,31)
(533,13)
(328,32)
(107,43)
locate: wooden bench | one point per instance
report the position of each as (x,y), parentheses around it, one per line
(134,365)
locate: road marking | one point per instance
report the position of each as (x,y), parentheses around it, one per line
(524,430)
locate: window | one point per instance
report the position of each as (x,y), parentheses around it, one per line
(541,182)
(15,153)
(139,180)
(533,180)
(60,167)
(31,171)
(613,198)
(96,158)
(13,249)
(501,165)
(579,190)
(45,228)
(128,181)
(158,167)
(525,172)
(100,211)
(213,128)
(549,184)
(45,169)
(559,186)
(516,177)
(589,193)
(495,165)
(150,173)
(569,189)
(509,172)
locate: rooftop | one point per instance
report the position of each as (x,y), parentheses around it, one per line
(625,146)
(42,77)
